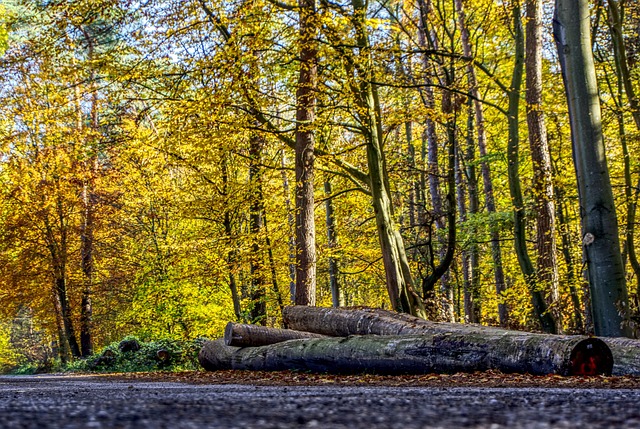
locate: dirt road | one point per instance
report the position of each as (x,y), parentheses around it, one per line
(84,402)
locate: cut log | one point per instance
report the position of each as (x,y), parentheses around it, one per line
(341,322)
(131,345)
(626,355)
(241,335)
(419,354)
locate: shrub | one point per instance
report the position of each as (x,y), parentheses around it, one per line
(162,354)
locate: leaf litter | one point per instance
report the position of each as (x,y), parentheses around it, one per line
(491,379)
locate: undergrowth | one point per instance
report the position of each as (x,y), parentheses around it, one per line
(147,356)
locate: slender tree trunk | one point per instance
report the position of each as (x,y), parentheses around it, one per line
(413,184)
(615,11)
(397,271)
(258,312)
(537,298)
(466,251)
(625,85)
(231,263)
(447,256)
(547,265)
(474,207)
(57,245)
(232,253)
(272,264)
(87,253)
(601,245)
(65,310)
(305,146)
(332,242)
(63,343)
(485,168)
(291,224)
(427,39)
(88,198)
(565,234)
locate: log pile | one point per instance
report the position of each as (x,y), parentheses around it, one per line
(335,340)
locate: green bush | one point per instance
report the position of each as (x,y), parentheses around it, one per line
(157,355)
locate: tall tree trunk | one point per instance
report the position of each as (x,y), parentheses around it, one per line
(616,12)
(258,311)
(485,168)
(63,343)
(447,256)
(461,198)
(428,40)
(625,85)
(65,308)
(397,271)
(88,201)
(547,265)
(272,264)
(332,242)
(305,146)
(565,234)
(87,254)
(537,298)
(473,283)
(57,245)
(291,234)
(601,245)
(232,253)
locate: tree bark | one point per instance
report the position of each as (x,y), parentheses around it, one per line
(291,234)
(467,185)
(626,359)
(423,354)
(305,146)
(546,265)
(601,245)
(332,241)
(240,335)
(258,295)
(342,322)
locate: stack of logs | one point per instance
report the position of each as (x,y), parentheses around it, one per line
(336,340)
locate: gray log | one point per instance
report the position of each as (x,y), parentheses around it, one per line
(241,335)
(626,355)
(419,354)
(341,322)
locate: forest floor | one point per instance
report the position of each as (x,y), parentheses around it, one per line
(492,379)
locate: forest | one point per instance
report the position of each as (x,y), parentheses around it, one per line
(169,166)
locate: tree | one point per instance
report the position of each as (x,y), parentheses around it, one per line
(305,142)
(542,186)
(601,245)
(489,197)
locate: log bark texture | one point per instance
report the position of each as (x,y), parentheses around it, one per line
(341,322)
(418,354)
(344,322)
(241,335)
(626,355)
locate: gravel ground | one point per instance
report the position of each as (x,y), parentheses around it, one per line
(85,402)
